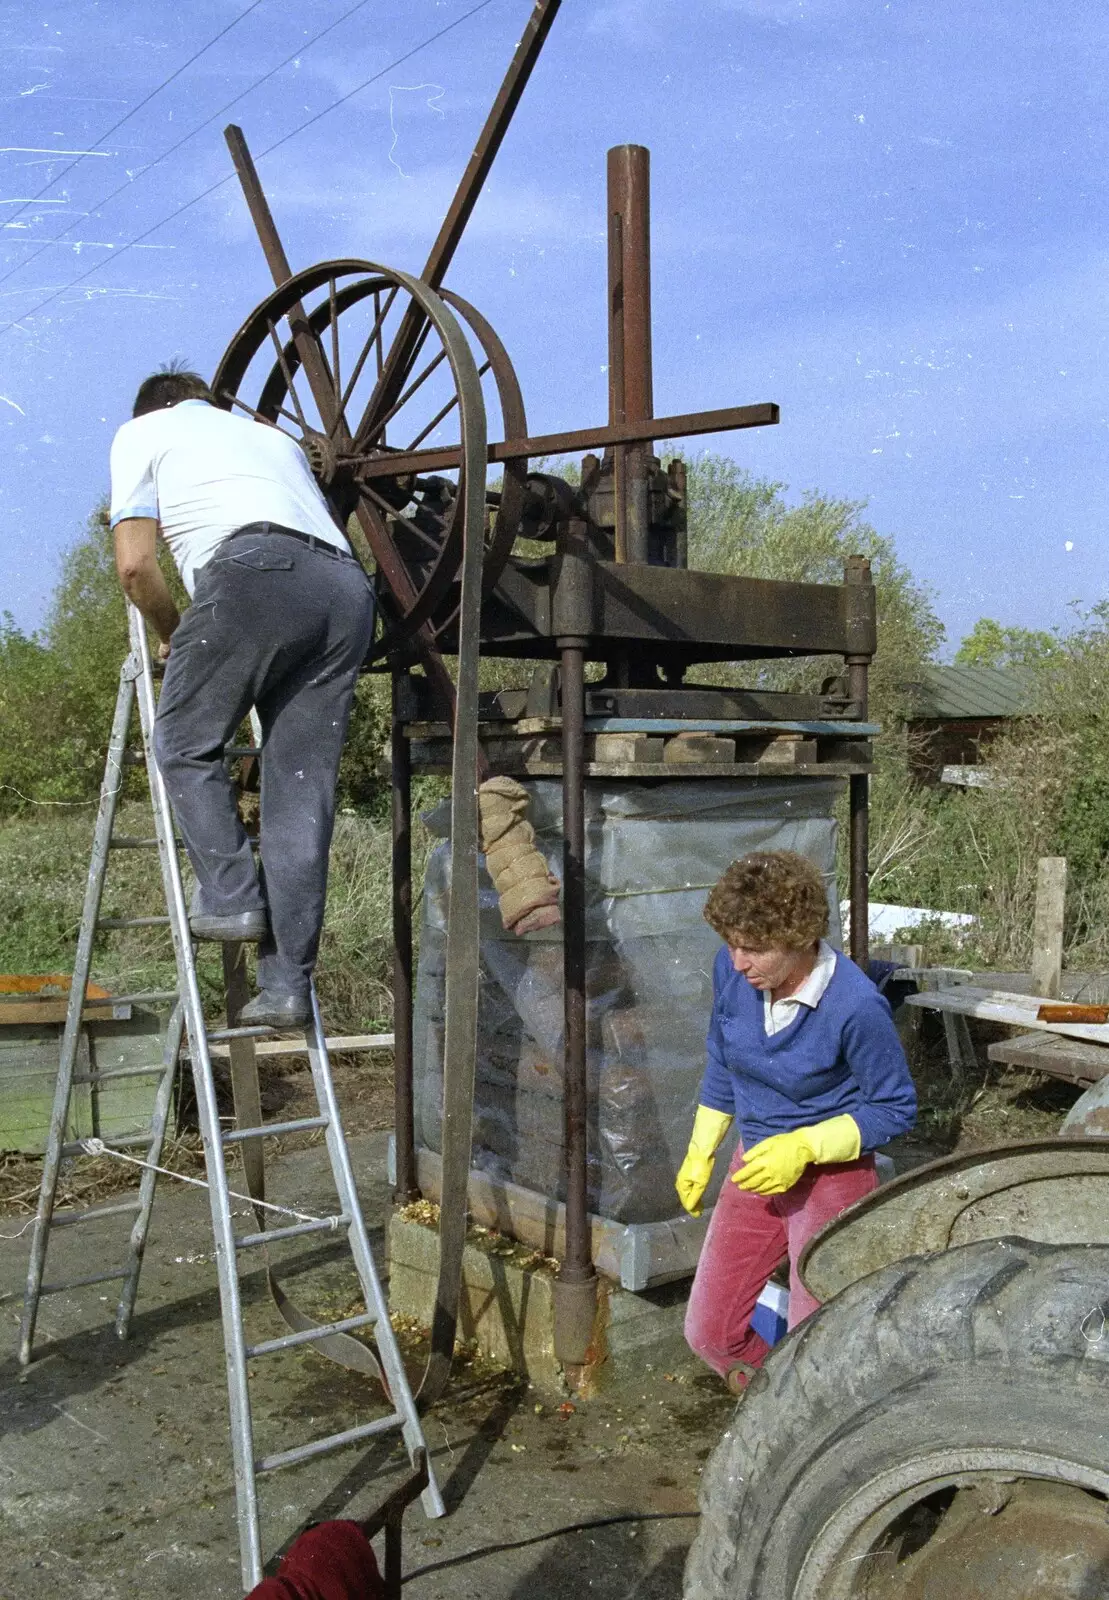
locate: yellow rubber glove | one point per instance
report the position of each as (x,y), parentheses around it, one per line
(774,1165)
(709,1128)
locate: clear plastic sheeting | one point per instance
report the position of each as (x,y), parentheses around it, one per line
(653,852)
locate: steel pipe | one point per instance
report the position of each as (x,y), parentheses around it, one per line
(577,1264)
(401,796)
(857,571)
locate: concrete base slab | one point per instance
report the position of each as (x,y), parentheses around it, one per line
(508,1307)
(116,1477)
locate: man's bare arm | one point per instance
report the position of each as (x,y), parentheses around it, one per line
(141,576)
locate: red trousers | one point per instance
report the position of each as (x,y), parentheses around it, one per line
(749,1235)
(332,1561)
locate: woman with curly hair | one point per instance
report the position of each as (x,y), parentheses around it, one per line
(803,1051)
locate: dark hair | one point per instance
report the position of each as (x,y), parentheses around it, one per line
(769,900)
(166,387)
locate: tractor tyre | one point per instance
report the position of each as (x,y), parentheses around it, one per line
(938,1431)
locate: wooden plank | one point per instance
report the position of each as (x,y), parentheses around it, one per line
(30,1013)
(656,725)
(341,1044)
(1068,1059)
(997,1005)
(1047,943)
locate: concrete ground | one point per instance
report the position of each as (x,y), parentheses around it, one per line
(115,1471)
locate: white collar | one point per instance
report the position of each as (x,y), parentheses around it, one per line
(811,991)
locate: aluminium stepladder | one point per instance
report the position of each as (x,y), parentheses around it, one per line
(187,1022)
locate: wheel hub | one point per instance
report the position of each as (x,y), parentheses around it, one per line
(1028,1540)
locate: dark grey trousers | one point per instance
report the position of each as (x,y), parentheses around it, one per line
(283,627)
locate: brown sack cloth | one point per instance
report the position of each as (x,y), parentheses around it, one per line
(528,892)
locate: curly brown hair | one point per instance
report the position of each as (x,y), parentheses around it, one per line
(769,900)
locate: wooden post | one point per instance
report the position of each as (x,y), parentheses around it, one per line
(1047,943)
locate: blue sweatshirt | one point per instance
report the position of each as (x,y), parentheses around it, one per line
(841,1055)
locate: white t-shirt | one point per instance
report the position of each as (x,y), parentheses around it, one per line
(203,473)
(778,1014)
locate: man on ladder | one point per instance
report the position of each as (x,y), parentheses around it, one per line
(281,619)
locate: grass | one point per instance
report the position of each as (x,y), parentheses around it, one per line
(43,871)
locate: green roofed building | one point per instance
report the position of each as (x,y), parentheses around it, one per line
(956,711)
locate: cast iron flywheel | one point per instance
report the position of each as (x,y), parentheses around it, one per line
(361,363)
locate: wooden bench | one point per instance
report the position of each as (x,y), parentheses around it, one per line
(1070,1059)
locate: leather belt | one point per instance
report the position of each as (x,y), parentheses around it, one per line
(293,533)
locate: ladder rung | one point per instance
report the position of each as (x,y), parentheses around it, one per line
(125,1141)
(334,1441)
(125,841)
(133,922)
(120,1072)
(239,1033)
(301,1125)
(85,1283)
(247,1241)
(237,750)
(309,1335)
(147,997)
(66,1219)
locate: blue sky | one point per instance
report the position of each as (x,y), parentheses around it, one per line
(889,218)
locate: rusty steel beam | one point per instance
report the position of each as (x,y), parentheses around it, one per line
(400,357)
(307,345)
(630,380)
(727,419)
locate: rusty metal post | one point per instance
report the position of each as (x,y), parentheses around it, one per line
(404,1120)
(857,572)
(630,381)
(575,1297)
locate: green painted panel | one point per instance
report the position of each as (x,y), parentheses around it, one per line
(29,1071)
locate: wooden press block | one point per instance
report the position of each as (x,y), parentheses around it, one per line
(625,747)
(787,750)
(699,747)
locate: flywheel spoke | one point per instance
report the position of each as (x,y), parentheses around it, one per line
(290,386)
(425,538)
(375,338)
(446,410)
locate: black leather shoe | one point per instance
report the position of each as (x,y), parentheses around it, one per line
(248,925)
(272,1009)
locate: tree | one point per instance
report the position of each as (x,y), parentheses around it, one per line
(58,688)
(990,644)
(742,524)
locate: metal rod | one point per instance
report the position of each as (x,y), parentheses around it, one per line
(401,354)
(724,420)
(71,1036)
(404,1116)
(308,1335)
(321,1447)
(577,1264)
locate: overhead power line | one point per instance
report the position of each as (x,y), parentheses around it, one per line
(211,189)
(145,101)
(200,126)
